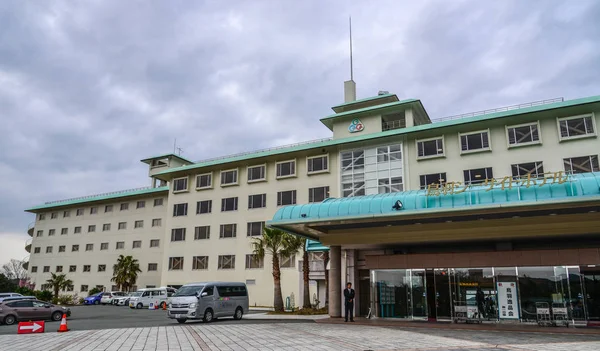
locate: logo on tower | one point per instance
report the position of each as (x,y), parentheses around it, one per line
(356,126)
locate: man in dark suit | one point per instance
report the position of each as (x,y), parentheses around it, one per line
(349,301)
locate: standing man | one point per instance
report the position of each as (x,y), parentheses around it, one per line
(349,301)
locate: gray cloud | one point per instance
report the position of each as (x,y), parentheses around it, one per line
(86,90)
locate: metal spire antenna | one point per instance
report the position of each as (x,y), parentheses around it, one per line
(351,68)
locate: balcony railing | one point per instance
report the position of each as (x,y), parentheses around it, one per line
(389,125)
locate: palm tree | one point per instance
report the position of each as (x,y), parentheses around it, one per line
(125,272)
(59,282)
(325,262)
(278,244)
(306,273)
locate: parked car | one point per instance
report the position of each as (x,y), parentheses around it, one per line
(14,298)
(107,297)
(5,295)
(93,299)
(26,310)
(143,297)
(121,300)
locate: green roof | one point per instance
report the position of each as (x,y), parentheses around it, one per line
(328,121)
(93,198)
(384,96)
(388,133)
(164,156)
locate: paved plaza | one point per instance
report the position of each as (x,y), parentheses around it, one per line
(300,336)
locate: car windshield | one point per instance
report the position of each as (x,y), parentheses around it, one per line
(137,293)
(190,290)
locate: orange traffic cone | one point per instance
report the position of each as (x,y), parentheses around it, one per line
(63,324)
(164,306)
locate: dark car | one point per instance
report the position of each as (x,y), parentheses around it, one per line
(29,310)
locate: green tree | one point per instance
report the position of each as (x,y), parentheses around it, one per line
(125,272)
(306,274)
(58,282)
(278,244)
(6,285)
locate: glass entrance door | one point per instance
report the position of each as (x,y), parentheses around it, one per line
(418,293)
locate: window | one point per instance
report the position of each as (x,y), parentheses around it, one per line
(228,231)
(79,212)
(353,173)
(428,179)
(318,194)
(229,204)
(54,215)
(180,184)
(48,249)
(104,246)
(64,231)
(42,216)
(154,243)
(39,233)
(175,263)
(286,169)
(257,173)
(389,153)
(91,228)
(140,204)
(200,262)
(255,228)
(101,268)
(254,262)
(180,210)
(89,247)
(430,148)
(287,262)
(158,202)
(137,244)
(51,232)
(106,227)
(204,206)
(286,198)
(582,164)
(576,126)
(317,164)
(257,201)
(229,177)
(390,185)
(138,224)
(72,269)
(62,248)
(524,134)
(124,206)
(74,248)
(202,232)
(108,208)
(77,230)
(87,268)
(69,288)
(152,267)
(226,261)
(46,269)
(120,245)
(34,269)
(37,250)
(66,214)
(477,176)
(178,234)
(93,210)
(58,269)
(204,181)
(83,288)
(122,225)
(536,169)
(156,222)
(476,141)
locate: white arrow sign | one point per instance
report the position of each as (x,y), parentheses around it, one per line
(35,327)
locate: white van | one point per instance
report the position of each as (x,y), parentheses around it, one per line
(143,297)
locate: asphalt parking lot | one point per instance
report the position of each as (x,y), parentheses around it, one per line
(105,317)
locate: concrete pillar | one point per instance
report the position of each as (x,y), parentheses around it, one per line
(352,276)
(335,282)
(349,91)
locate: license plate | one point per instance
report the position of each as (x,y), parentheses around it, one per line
(177,316)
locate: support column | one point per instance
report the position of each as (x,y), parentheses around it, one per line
(352,276)
(335,282)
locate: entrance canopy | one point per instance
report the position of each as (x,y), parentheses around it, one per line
(556,204)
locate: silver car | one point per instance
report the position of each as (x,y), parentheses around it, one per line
(209,300)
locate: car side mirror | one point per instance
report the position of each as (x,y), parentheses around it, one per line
(204,294)
(47,306)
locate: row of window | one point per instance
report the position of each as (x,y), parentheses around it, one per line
(228,262)
(518,135)
(157,222)
(86,268)
(225,231)
(254,201)
(257,173)
(107,208)
(119,245)
(535,169)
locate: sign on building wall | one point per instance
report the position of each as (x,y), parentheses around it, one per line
(356,126)
(508,304)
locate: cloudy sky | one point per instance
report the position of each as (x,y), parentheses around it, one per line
(87,89)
